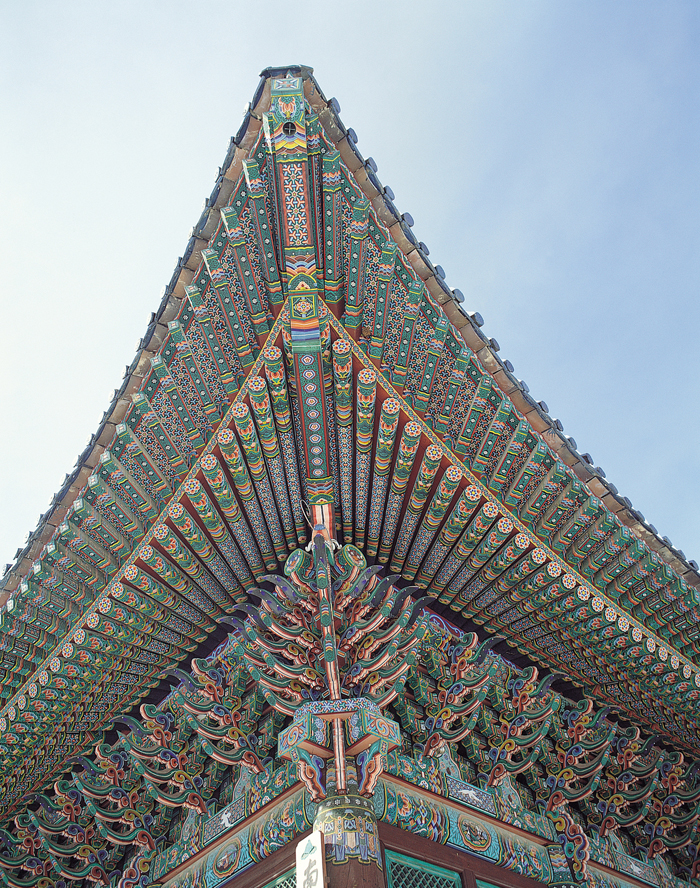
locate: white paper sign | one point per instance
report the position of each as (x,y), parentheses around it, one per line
(311,861)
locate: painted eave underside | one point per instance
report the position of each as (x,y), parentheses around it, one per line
(623,618)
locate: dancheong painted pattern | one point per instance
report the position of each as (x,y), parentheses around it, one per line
(310,363)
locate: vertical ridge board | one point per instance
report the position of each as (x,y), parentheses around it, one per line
(90,520)
(263,232)
(365,407)
(403,466)
(436,347)
(188,561)
(385,275)
(144,413)
(419,495)
(267,436)
(456,522)
(343,390)
(255,297)
(249,490)
(227,575)
(119,477)
(495,440)
(531,575)
(494,567)
(231,376)
(383,458)
(133,449)
(228,378)
(494,539)
(170,574)
(169,386)
(247,352)
(296,167)
(354,297)
(399,372)
(277,381)
(469,539)
(180,364)
(330,233)
(256,544)
(432,519)
(442,422)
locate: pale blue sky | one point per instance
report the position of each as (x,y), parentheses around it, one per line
(548,151)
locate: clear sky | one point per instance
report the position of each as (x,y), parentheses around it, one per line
(549,153)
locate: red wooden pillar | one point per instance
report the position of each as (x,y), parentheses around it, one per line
(351,839)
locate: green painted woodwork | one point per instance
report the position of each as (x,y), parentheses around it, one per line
(409,872)
(288,880)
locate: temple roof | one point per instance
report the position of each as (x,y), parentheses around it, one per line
(470,324)
(190,490)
